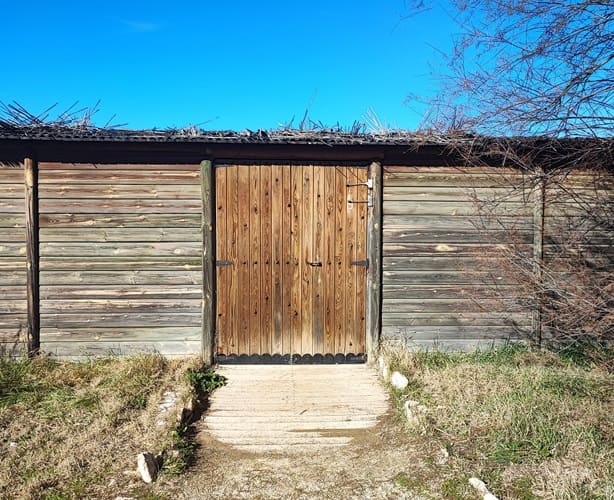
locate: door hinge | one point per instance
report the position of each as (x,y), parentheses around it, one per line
(220,263)
(361,263)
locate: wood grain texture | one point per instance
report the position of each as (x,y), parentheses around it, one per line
(440,259)
(120,252)
(300,293)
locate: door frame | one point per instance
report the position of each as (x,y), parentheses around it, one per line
(373,249)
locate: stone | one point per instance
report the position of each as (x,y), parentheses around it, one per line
(147,467)
(441,457)
(399,381)
(481,488)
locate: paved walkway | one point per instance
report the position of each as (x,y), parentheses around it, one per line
(279,408)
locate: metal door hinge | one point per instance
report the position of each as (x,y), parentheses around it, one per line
(361,263)
(220,263)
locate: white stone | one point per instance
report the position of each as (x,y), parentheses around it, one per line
(147,467)
(441,458)
(481,488)
(490,496)
(399,381)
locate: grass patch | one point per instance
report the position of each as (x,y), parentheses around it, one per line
(73,429)
(527,423)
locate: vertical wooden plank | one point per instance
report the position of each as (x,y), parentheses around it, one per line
(340,258)
(307,259)
(361,255)
(318,256)
(287,274)
(221,272)
(539,203)
(329,261)
(350,256)
(232,236)
(277,258)
(255,222)
(374,274)
(266,328)
(32,255)
(297,258)
(208,305)
(243,260)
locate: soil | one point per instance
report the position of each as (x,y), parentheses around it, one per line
(381,462)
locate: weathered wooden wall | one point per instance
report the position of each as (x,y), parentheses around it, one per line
(120,258)
(13,320)
(436,273)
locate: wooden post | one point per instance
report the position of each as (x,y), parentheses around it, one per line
(32,255)
(374,254)
(208,299)
(539,203)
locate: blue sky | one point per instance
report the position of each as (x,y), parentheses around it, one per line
(223,64)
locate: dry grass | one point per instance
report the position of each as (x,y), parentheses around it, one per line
(73,430)
(531,425)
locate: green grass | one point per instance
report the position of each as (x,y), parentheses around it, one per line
(527,423)
(76,426)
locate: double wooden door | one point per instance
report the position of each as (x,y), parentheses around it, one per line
(291,259)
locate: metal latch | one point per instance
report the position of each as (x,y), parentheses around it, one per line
(361,263)
(220,263)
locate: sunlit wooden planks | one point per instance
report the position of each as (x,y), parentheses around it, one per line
(301,291)
(440,257)
(120,248)
(13,304)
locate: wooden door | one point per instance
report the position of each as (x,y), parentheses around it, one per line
(290,259)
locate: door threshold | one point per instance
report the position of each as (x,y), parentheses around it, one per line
(287,359)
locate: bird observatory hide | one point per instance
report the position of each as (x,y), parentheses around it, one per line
(287,246)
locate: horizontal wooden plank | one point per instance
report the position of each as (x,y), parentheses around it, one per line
(120,191)
(129,319)
(12,221)
(45,166)
(122,334)
(405,207)
(12,292)
(155,263)
(445,277)
(85,350)
(449,305)
(12,190)
(118,250)
(117,292)
(12,249)
(161,306)
(12,349)
(126,220)
(12,205)
(474,291)
(458,319)
(439,263)
(86,206)
(459,178)
(9,336)
(119,234)
(13,321)
(434,236)
(450,345)
(158,177)
(456,223)
(8,306)
(12,263)
(449,169)
(119,278)
(459,333)
(455,194)
(429,249)
(11,175)
(12,234)
(13,277)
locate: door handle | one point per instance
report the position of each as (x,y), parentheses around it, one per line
(314,264)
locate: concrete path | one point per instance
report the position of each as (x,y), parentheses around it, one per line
(298,408)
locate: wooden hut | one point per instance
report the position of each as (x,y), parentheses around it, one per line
(259,246)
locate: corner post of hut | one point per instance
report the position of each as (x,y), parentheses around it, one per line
(30,164)
(208,269)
